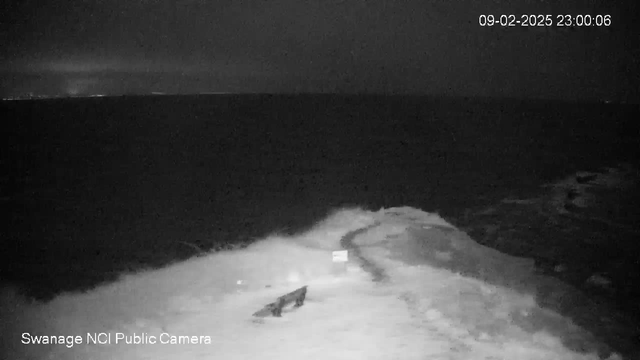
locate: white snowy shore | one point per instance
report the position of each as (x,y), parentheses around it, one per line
(427,309)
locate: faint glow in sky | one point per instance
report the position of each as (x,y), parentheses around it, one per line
(71,65)
(80,86)
(80,66)
(68,64)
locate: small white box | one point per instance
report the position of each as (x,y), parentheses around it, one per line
(341,256)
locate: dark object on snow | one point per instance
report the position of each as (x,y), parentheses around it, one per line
(572,194)
(275,308)
(571,207)
(583,179)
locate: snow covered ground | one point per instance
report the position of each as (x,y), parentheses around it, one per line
(438,300)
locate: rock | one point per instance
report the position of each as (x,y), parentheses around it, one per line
(599,280)
(583,178)
(560,268)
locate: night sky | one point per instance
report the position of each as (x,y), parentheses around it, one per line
(84,47)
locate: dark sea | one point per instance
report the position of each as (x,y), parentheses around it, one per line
(92,187)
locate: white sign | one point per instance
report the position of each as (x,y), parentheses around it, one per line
(341,256)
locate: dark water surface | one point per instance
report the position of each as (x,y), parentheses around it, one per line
(96,186)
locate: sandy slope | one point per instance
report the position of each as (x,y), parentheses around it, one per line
(438,300)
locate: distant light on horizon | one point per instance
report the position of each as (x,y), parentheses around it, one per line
(77,86)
